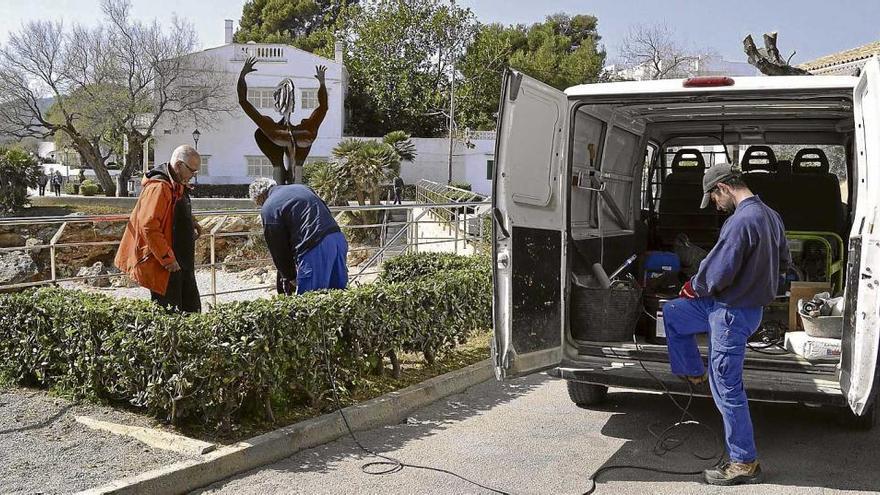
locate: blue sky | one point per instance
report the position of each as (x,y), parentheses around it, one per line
(812,27)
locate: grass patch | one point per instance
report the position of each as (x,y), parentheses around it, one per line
(63,210)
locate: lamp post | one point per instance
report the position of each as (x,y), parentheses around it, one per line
(196,136)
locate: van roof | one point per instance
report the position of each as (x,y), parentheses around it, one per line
(675,86)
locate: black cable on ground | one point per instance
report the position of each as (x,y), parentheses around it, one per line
(665,442)
(389,465)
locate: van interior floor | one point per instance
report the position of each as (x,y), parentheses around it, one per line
(771,359)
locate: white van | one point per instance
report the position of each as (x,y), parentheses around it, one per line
(600,172)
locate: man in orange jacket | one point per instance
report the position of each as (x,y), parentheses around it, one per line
(158,248)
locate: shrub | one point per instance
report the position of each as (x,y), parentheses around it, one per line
(89,188)
(220,190)
(239,360)
(461,185)
(409,267)
(19,170)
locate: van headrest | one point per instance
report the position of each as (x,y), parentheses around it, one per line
(688,160)
(759,157)
(810,161)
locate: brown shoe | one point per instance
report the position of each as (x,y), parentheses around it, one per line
(733,473)
(697,380)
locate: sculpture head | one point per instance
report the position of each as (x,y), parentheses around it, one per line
(284,98)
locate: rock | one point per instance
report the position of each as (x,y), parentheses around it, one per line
(11,239)
(68,258)
(17,267)
(93,271)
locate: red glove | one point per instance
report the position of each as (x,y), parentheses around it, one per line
(687,291)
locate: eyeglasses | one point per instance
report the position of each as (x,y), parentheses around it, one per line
(194,172)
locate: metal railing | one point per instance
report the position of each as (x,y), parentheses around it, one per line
(416,230)
(463,219)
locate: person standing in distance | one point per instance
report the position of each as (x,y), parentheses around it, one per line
(307,247)
(158,247)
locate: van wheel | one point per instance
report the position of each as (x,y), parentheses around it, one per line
(586,394)
(864,422)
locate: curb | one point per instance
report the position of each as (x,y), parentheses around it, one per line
(391,408)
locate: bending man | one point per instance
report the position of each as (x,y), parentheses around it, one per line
(305,242)
(726,299)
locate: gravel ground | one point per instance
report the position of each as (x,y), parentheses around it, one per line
(225,281)
(44,450)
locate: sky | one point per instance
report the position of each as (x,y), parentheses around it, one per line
(811,27)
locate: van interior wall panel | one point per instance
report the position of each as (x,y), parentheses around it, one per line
(536,290)
(616,250)
(849,320)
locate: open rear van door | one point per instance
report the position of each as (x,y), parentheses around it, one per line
(861,336)
(529,233)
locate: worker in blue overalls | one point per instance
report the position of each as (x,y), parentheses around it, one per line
(726,299)
(307,247)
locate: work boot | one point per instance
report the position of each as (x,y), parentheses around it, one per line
(733,473)
(698,384)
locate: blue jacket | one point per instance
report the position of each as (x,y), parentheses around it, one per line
(744,267)
(295,220)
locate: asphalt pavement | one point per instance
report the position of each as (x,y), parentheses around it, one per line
(526,437)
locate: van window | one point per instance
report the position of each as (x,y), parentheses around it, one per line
(586,153)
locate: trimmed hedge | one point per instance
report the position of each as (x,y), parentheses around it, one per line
(220,190)
(240,360)
(417,265)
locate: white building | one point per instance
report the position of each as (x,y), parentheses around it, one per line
(229,153)
(845,63)
(231,156)
(701,65)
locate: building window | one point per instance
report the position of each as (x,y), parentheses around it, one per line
(204,170)
(259,166)
(490,168)
(261,97)
(309,98)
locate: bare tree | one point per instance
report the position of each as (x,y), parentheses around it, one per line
(654,49)
(110,84)
(767,59)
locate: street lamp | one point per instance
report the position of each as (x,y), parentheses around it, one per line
(196,135)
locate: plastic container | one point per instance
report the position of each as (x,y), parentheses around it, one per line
(826,327)
(605,315)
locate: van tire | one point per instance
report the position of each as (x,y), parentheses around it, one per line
(586,394)
(865,422)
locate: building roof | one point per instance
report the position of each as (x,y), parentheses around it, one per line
(846,56)
(746,83)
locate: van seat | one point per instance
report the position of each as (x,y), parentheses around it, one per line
(759,168)
(681,193)
(816,192)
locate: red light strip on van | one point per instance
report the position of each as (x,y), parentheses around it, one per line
(707,81)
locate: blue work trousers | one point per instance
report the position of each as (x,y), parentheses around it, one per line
(729,330)
(323,266)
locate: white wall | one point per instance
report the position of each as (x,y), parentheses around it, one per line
(231,137)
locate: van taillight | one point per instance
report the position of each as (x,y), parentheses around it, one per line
(707,81)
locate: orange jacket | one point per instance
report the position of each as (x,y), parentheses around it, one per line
(145,249)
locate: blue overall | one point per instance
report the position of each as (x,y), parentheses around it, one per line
(304,240)
(735,281)
(729,330)
(323,266)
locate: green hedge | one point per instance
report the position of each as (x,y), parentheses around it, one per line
(241,359)
(413,266)
(220,190)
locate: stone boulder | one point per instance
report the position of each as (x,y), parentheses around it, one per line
(11,239)
(17,267)
(94,271)
(69,259)
(224,246)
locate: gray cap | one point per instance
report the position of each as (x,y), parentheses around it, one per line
(718,173)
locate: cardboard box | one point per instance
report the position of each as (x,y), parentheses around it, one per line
(802,290)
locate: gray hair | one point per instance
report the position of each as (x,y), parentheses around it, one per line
(284,97)
(184,153)
(260,187)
